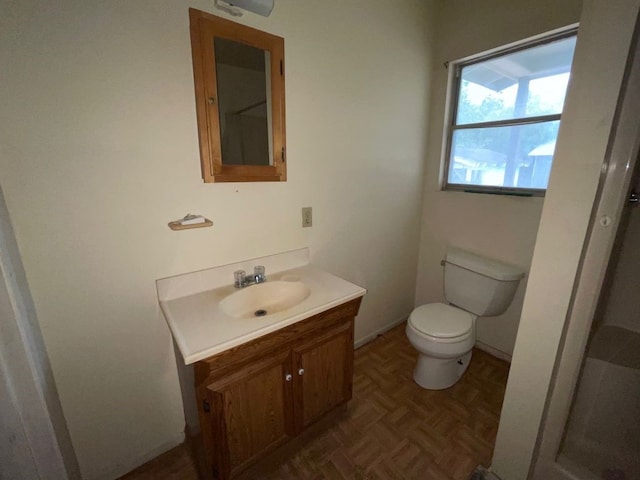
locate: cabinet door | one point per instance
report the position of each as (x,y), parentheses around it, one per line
(323,370)
(251,412)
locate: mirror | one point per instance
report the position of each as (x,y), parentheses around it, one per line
(239,87)
(244,103)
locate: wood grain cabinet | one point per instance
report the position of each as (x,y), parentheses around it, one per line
(254,397)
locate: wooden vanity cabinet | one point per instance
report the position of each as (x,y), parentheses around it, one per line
(324,367)
(254,397)
(248,411)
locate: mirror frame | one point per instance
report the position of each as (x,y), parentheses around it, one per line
(204,27)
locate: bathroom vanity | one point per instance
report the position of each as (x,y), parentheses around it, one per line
(249,383)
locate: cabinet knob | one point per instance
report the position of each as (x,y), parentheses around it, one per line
(301,372)
(288,377)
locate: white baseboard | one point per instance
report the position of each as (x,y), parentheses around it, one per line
(372,336)
(119,470)
(481,346)
(486,474)
(493,351)
(491,476)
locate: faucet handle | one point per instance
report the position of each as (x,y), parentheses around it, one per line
(258,273)
(239,278)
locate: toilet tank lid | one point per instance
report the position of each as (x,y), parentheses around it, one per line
(484,266)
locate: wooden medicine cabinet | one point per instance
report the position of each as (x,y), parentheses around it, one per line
(239,86)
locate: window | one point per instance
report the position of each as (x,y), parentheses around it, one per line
(505,117)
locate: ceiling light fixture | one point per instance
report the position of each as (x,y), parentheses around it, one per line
(236,7)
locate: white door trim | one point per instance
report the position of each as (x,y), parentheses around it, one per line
(33,435)
(612,197)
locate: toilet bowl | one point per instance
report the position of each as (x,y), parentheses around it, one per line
(444,333)
(444,336)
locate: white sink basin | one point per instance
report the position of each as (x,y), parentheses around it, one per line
(264,299)
(208,316)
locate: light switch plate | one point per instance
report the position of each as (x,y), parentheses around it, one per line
(307,217)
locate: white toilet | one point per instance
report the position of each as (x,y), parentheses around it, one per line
(444,334)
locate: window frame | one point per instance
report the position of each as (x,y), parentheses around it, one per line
(453,95)
(204,27)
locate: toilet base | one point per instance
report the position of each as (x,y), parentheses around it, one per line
(439,373)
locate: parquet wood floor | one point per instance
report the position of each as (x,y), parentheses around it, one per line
(392,429)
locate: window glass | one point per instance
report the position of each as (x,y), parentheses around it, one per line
(507,114)
(509,156)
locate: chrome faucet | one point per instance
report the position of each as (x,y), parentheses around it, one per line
(241,279)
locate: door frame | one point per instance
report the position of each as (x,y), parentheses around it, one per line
(612,197)
(36,441)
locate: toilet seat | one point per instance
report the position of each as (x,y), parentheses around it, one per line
(442,323)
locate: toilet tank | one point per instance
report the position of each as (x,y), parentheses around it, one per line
(479,285)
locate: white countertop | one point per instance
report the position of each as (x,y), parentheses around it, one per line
(199,326)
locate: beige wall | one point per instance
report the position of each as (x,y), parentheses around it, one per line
(98,151)
(496,226)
